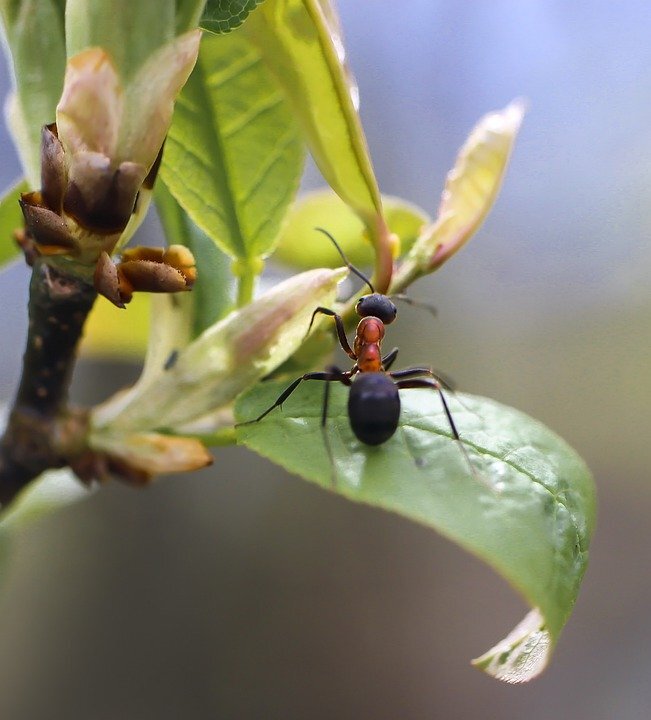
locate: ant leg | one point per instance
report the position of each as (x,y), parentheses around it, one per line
(341,331)
(414,372)
(389,359)
(345,379)
(414,303)
(326,376)
(435,384)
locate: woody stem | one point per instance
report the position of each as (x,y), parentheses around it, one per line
(41,429)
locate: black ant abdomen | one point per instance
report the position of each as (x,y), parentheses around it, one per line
(373,407)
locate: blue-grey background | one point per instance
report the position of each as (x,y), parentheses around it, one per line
(241,592)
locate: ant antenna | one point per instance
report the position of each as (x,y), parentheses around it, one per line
(414,303)
(351,267)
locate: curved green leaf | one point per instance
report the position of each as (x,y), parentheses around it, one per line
(234,157)
(11,218)
(35,34)
(301,44)
(527,508)
(222,16)
(323,208)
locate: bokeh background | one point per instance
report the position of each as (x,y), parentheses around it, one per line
(242,592)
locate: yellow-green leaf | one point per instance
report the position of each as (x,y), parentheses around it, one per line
(11,219)
(301,43)
(112,332)
(300,247)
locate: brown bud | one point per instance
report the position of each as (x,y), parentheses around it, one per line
(53,169)
(48,229)
(106,280)
(99,197)
(180,257)
(148,276)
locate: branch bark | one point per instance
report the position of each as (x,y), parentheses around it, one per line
(42,431)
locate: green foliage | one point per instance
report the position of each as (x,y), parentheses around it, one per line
(521,500)
(222,16)
(527,508)
(11,218)
(234,156)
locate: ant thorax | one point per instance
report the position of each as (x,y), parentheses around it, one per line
(367,345)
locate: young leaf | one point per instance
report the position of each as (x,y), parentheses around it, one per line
(470,191)
(222,16)
(226,359)
(34,31)
(301,44)
(299,247)
(526,508)
(11,218)
(234,157)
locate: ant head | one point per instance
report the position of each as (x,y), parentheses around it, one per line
(379,306)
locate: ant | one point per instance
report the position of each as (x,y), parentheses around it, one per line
(374,399)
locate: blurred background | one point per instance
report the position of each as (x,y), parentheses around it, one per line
(242,592)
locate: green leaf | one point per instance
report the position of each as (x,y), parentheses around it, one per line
(234,157)
(11,218)
(527,508)
(211,296)
(305,52)
(34,30)
(129,30)
(222,16)
(299,246)
(301,43)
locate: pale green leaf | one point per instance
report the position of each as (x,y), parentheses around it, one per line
(526,508)
(11,219)
(227,358)
(222,16)
(301,247)
(234,156)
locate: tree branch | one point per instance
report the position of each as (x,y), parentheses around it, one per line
(42,431)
